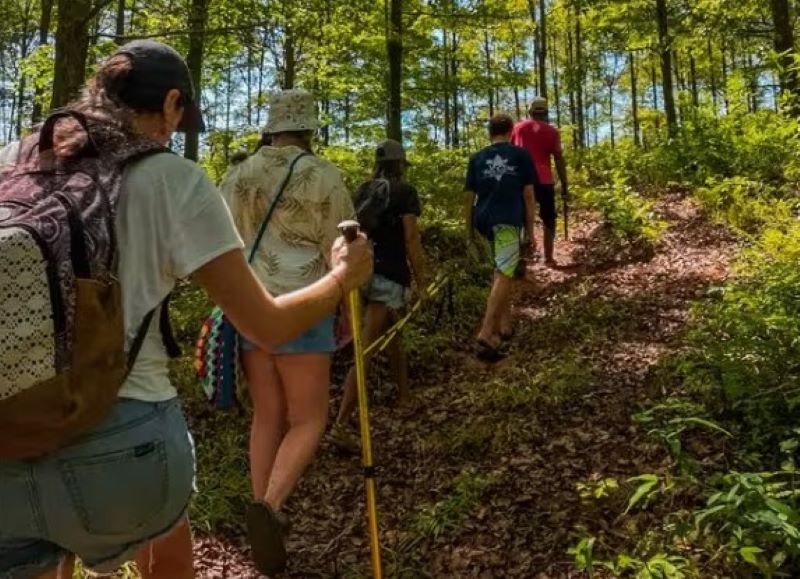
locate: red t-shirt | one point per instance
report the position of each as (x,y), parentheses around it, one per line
(542,141)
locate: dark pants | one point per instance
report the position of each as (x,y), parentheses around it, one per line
(546,199)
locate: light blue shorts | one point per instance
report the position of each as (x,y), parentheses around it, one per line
(319,339)
(102,498)
(385,291)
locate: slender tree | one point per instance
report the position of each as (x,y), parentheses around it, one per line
(198,17)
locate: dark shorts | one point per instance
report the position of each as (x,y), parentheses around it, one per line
(546,199)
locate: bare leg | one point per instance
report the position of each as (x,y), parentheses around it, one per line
(269,417)
(305,379)
(64,570)
(549,244)
(398,361)
(376,319)
(498,301)
(169,556)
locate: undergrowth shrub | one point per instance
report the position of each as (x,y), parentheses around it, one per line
(629,215)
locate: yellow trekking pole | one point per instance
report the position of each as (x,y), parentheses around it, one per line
(349,230)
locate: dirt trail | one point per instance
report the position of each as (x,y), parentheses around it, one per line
(501,449)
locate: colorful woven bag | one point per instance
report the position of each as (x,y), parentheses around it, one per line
(217,361)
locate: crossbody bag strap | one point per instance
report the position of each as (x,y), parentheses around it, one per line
(272,207)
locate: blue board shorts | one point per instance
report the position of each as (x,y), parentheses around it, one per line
(102,498)
(319,339)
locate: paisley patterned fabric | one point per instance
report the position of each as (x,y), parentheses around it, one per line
(56,223)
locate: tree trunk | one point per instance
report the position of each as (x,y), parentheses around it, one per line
(289,61)
(72,46)
(347,117)
(725,78)
(556,83)
(119,34)
(543,48)
(446,60)
(198,17)
(665,47)
(260,90)
(394,49)
(693,81)
(784,46)
(24,48)
(634,99)
(489,80)
(573,115)
(611,114)
(45,19)
(456,136)
(713,76)
(580,70)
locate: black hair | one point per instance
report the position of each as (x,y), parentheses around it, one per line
(392,170)
(500,124)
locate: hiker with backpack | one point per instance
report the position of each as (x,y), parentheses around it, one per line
(98,221)
(289,384)
(500,206)
(387,208)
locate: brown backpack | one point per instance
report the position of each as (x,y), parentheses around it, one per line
(62,335)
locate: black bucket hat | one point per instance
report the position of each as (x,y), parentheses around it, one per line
(155,70)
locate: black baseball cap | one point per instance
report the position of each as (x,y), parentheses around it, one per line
(155,70)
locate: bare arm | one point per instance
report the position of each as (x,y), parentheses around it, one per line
(413,243)
(561,168)
(269,321)
(530,213)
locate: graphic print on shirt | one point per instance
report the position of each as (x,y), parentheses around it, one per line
(497,168)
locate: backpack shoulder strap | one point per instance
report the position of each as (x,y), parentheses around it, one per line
(265,222)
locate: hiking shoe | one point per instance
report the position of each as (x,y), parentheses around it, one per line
(265,533)
(345,439)
(488,353)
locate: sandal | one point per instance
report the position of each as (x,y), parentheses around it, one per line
(266,530)
(488,353)
(344,439)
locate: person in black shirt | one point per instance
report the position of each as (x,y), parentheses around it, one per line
(500,206)
(388,208)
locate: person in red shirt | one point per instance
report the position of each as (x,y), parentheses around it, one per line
(543,142)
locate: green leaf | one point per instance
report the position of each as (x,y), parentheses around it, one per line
(648,482)
(750,554)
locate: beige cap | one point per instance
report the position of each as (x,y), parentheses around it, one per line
(291,110)
(390,150)
(538,105)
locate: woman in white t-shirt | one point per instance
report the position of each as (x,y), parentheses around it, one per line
(121,491)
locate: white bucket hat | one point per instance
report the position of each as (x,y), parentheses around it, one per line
(291,110)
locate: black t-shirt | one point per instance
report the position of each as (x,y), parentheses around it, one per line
(498,176)
(389,239)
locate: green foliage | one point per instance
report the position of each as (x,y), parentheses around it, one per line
(754,517)
(443,516)
(746,205)
(744,345)
(629,215)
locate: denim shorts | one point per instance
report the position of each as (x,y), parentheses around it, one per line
(102,498)
(319,339)
(385,291)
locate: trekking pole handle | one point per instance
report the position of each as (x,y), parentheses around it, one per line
(350,230)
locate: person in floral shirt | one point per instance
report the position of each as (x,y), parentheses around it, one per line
(289,385)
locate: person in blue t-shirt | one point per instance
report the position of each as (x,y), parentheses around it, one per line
(500,206)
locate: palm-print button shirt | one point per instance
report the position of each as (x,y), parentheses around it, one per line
(295,249)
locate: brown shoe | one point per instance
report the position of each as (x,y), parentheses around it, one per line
(266,531)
